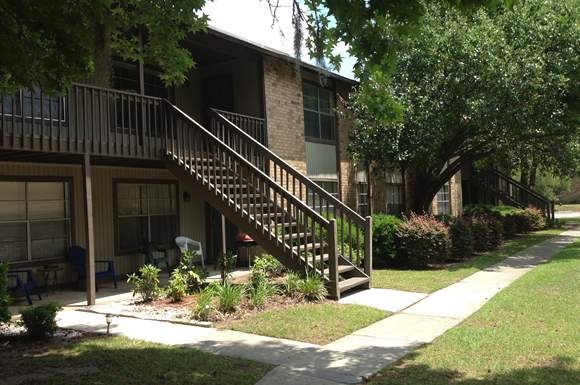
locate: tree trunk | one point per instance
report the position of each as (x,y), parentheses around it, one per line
(525,172)
(103,57)
(420,191)
(533,173)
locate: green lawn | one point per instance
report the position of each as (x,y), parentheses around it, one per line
(428,281)
(569,207)
(120,360)
(528,334)
(315,323)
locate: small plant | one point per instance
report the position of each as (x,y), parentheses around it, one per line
(204,306)
(146,282)
(260,294)
(292,287)
(421,240)
(265,267)
(227,264)
(4,295)
(229,296)
(312,288)
(40,321)
(534,219)
(177,287)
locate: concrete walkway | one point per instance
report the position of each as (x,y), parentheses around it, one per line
(419,319)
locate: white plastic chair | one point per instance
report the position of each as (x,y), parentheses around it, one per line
(188,244)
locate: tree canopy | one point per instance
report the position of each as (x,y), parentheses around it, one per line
(50,44)
(466,87)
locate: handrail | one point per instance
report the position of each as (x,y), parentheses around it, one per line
(292,170)
(251,125)
(352,234)
(520,185)
(247,163)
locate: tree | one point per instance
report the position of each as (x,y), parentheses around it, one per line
(467,87)
(50,44)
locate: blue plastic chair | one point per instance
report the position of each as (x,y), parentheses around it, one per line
(27,284)
(77,256)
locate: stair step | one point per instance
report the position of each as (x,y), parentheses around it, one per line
(295,236)
(350,283)
(341,269)
(309,246)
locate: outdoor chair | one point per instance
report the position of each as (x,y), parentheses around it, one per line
(155,255)
(24,281)
(77,256)
(187,244)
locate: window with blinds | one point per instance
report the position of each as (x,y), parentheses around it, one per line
(35,220)
(145,212)
(319,120)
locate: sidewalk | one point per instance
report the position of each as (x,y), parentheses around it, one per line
(419,319)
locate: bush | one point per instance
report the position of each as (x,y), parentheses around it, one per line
(265,267)
(384,228)
(40,321)
(292,287)
(260,293)
(146,282)
(312,288)
(177,287)
(4,295)
(229,296)
(204,306)
(487,231)
(461,238)
(421,240)
(513,219)
(227,263)
(534,219)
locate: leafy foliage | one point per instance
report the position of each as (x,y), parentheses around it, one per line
(265,267)
(40,321)
(4,295)
(227,263)
(384,228)
(292,287)
(177,286)
(204,305)
(312,288)
(229,296)
(467,87)
(534,219)
(421,240)
(461,238)
(53,44)
(260,293)
(146,283)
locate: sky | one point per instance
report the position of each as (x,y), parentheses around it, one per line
(251,19)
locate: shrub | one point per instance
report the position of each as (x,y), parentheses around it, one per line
(265,267)
(312,288)
(292,287)
(227,263)
(229,296)
(384,228)
(534,219)
(487,232)
(204,306)
(421,240)
(496,231)
(177,286)
(461,238)
(4,295)
(40,321)
(259,294)
(146,282)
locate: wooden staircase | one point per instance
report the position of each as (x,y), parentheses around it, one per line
(500,188)
(286,213)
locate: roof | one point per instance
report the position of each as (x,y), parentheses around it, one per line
(274,52)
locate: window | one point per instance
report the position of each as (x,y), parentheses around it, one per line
(394,191)
(34,220)
(319,122)
(145,212)
(443,206)
(331,187)
(33,103)
(362,198)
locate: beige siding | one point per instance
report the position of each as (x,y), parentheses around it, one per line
(192,213)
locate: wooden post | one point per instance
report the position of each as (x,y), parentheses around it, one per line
(368,262)
(90,233)
(333,260)
(223,245)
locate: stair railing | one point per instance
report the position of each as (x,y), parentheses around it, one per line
(353,231)
(244,187)
(508,189)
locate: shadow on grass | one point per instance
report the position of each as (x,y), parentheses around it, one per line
(118,360)
(558,372)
